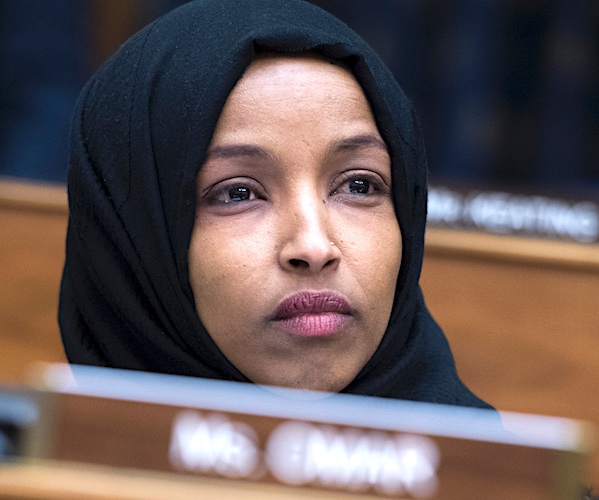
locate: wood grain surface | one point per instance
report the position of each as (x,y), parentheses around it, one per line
(33,221)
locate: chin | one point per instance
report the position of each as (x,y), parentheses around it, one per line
(312,383)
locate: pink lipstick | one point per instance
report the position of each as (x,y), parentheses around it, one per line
(313,314)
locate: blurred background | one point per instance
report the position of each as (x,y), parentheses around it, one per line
(507,91)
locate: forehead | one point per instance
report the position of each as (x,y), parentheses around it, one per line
(296,90)
(299,67)
(299,75)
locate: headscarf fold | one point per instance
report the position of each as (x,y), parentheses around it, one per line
(140,133)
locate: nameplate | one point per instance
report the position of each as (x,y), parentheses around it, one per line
(516,214)
(353,444)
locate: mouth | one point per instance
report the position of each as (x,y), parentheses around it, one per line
(313,314)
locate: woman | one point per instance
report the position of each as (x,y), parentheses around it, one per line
(248,199)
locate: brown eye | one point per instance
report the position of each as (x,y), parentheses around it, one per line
(359,186)
(238,193)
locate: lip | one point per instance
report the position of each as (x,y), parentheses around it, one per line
(313,314)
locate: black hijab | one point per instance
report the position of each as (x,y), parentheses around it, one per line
(139,136)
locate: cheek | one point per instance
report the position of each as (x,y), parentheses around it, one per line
(387,254)
(206,260)
(385,265)
(374,250)
(225,267)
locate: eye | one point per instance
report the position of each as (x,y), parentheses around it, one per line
(231,193)
(237,194)
(359,183)
(359,186)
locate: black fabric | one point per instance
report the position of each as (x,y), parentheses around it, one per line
(140,134)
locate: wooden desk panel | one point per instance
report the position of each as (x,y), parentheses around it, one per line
(33,222)
(523,322)
(70,481)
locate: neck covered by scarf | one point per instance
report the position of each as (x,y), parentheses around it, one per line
(140,132)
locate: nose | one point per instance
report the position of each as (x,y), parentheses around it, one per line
(307,244)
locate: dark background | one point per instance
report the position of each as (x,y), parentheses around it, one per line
(507,91)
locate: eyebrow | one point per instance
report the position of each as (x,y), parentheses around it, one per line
(356,143)
(238,151)
(251,151)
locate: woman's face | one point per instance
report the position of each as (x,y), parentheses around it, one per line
(296,248)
